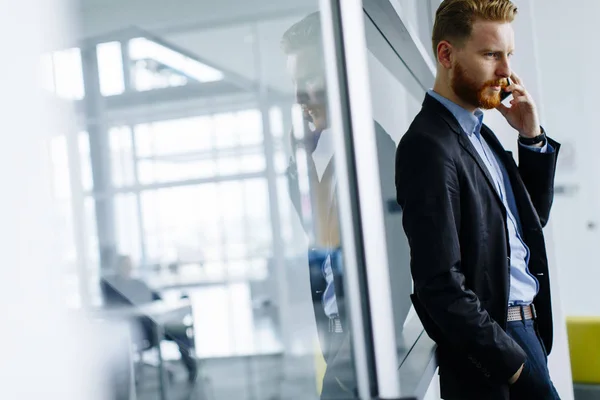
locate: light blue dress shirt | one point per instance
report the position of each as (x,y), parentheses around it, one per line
(523,285)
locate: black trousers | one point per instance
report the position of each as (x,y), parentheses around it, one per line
(177,334)
(185,346)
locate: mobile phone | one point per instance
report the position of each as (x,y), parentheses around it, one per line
(504,94)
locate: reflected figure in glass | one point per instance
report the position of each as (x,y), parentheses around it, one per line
(302,45)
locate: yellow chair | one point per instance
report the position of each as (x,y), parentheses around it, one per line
(584,346)
(320,367)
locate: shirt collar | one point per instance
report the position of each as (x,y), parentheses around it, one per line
(323,152)
(469,122)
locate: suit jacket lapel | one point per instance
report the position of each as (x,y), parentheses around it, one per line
(524,203)
(470,149)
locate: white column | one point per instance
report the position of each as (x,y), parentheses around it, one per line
(43,354)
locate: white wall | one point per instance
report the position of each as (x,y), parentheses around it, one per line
(527,63)
(44,354)
(568,60)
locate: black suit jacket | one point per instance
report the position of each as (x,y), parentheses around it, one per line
(460,255)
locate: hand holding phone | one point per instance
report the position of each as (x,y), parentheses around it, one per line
(504,94)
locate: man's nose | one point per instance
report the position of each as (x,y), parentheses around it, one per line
(504,69)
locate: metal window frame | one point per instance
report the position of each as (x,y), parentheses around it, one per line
(379,371)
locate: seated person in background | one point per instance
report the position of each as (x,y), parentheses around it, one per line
(122,290)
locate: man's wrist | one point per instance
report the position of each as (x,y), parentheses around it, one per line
(538,140)
(530,135)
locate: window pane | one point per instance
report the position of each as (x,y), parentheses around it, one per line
(213,225)
(398,100)
(122,163)
(158,66)
(250,127)
(110,68)
(68,74)
(226,130)
(127,226)
(276,121)
(85,161)
(200,147)
(60,162)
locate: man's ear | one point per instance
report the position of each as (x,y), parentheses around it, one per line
(445,53)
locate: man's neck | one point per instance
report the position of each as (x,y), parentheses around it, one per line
(444,90)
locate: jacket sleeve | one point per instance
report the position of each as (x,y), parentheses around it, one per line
(428,190)
(537,171)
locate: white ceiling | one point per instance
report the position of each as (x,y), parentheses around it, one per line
(102,16)
(234,35)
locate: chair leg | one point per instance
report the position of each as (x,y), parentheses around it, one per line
(137,368)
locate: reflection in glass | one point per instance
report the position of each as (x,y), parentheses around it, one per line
(110,68)
(157,66)
(194,196)
(68,74)
(313,191)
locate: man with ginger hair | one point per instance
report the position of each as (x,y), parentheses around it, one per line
(474,218)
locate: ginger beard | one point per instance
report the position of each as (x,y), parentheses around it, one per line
(481,96)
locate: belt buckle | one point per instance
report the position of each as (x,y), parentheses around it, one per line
(533,312)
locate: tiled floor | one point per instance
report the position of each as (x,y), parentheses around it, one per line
(586,392)
(240,378)
(240,352)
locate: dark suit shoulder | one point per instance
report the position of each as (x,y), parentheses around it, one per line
(433,124)
(429,133)
(429,150)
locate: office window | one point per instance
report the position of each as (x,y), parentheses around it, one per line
(64,223)
(250,128)
(60,163)
(85,164)
(178,218)
(223,144)
(110,68)
(127,226)
(175,136)
(122,159)
(212,224)
(276,121)
(68,74)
